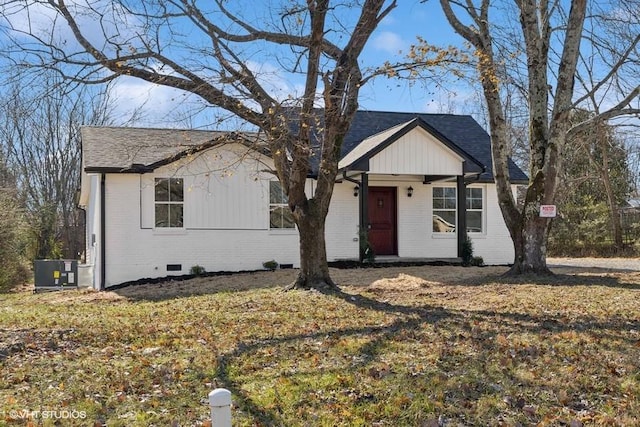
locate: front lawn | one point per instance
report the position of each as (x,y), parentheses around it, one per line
(408,346)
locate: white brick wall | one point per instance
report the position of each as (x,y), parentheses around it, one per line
(342,224)
(495,246)
(92,227)
(136,250)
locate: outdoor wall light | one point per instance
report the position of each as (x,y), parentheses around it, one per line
(356,191)
(409,191)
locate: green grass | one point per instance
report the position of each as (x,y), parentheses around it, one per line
(476,350)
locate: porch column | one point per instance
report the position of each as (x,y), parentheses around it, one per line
(462,212)
(364,213)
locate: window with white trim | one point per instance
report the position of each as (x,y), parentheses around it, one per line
(475,204)
(280,215)
(169,202)
(445,210)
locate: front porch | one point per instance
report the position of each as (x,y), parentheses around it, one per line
(408,162)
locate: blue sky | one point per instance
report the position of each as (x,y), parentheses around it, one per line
(390,41)
(166,107)
(396,33)
(162,106)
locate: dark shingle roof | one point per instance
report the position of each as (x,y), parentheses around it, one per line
(113,149)
(359,156)
(462,131)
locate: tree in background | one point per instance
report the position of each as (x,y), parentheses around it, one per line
(595,182)
(229,54)
(14,232)
(541,49)
(632,143)
(40,131)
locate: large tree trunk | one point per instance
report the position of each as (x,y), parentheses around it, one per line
(547,130)
(530,244)
(314,270)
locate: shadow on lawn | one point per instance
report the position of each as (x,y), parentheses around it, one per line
(264,416)
(411,318)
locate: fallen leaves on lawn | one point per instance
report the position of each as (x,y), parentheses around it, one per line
(420,346)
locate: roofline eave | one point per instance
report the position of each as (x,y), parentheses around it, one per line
(140,168)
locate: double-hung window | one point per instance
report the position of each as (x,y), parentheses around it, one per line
(280,216)
(445,208)
(474,210)
(169,202)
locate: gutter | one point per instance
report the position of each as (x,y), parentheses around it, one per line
(103,243)
(346,178)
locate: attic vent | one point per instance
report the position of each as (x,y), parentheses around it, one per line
(174,267)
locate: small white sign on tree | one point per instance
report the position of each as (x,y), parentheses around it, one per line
(548,211)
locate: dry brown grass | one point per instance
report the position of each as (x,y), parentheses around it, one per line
(399,346)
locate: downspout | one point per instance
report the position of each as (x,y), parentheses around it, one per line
(103,243)
(462,213)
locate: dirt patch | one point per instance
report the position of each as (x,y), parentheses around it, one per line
(402,282)
(415,277)
(395,276)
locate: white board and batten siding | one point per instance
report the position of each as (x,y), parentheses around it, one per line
(226,220)
(224,189)
(416,153)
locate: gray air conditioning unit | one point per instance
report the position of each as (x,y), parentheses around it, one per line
(55,274)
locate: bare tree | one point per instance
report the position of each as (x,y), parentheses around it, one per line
(605,169)
(633,149)
(14,235)
(217,51)
(40,132)
(542,55)
(596,173)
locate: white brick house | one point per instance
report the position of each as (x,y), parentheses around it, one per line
(160,201)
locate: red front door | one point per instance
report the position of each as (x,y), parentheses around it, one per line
(382,220)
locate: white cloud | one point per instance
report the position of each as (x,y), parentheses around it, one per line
(389,42)
(280,85)
(97,19)
(151,104)
(162,106)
